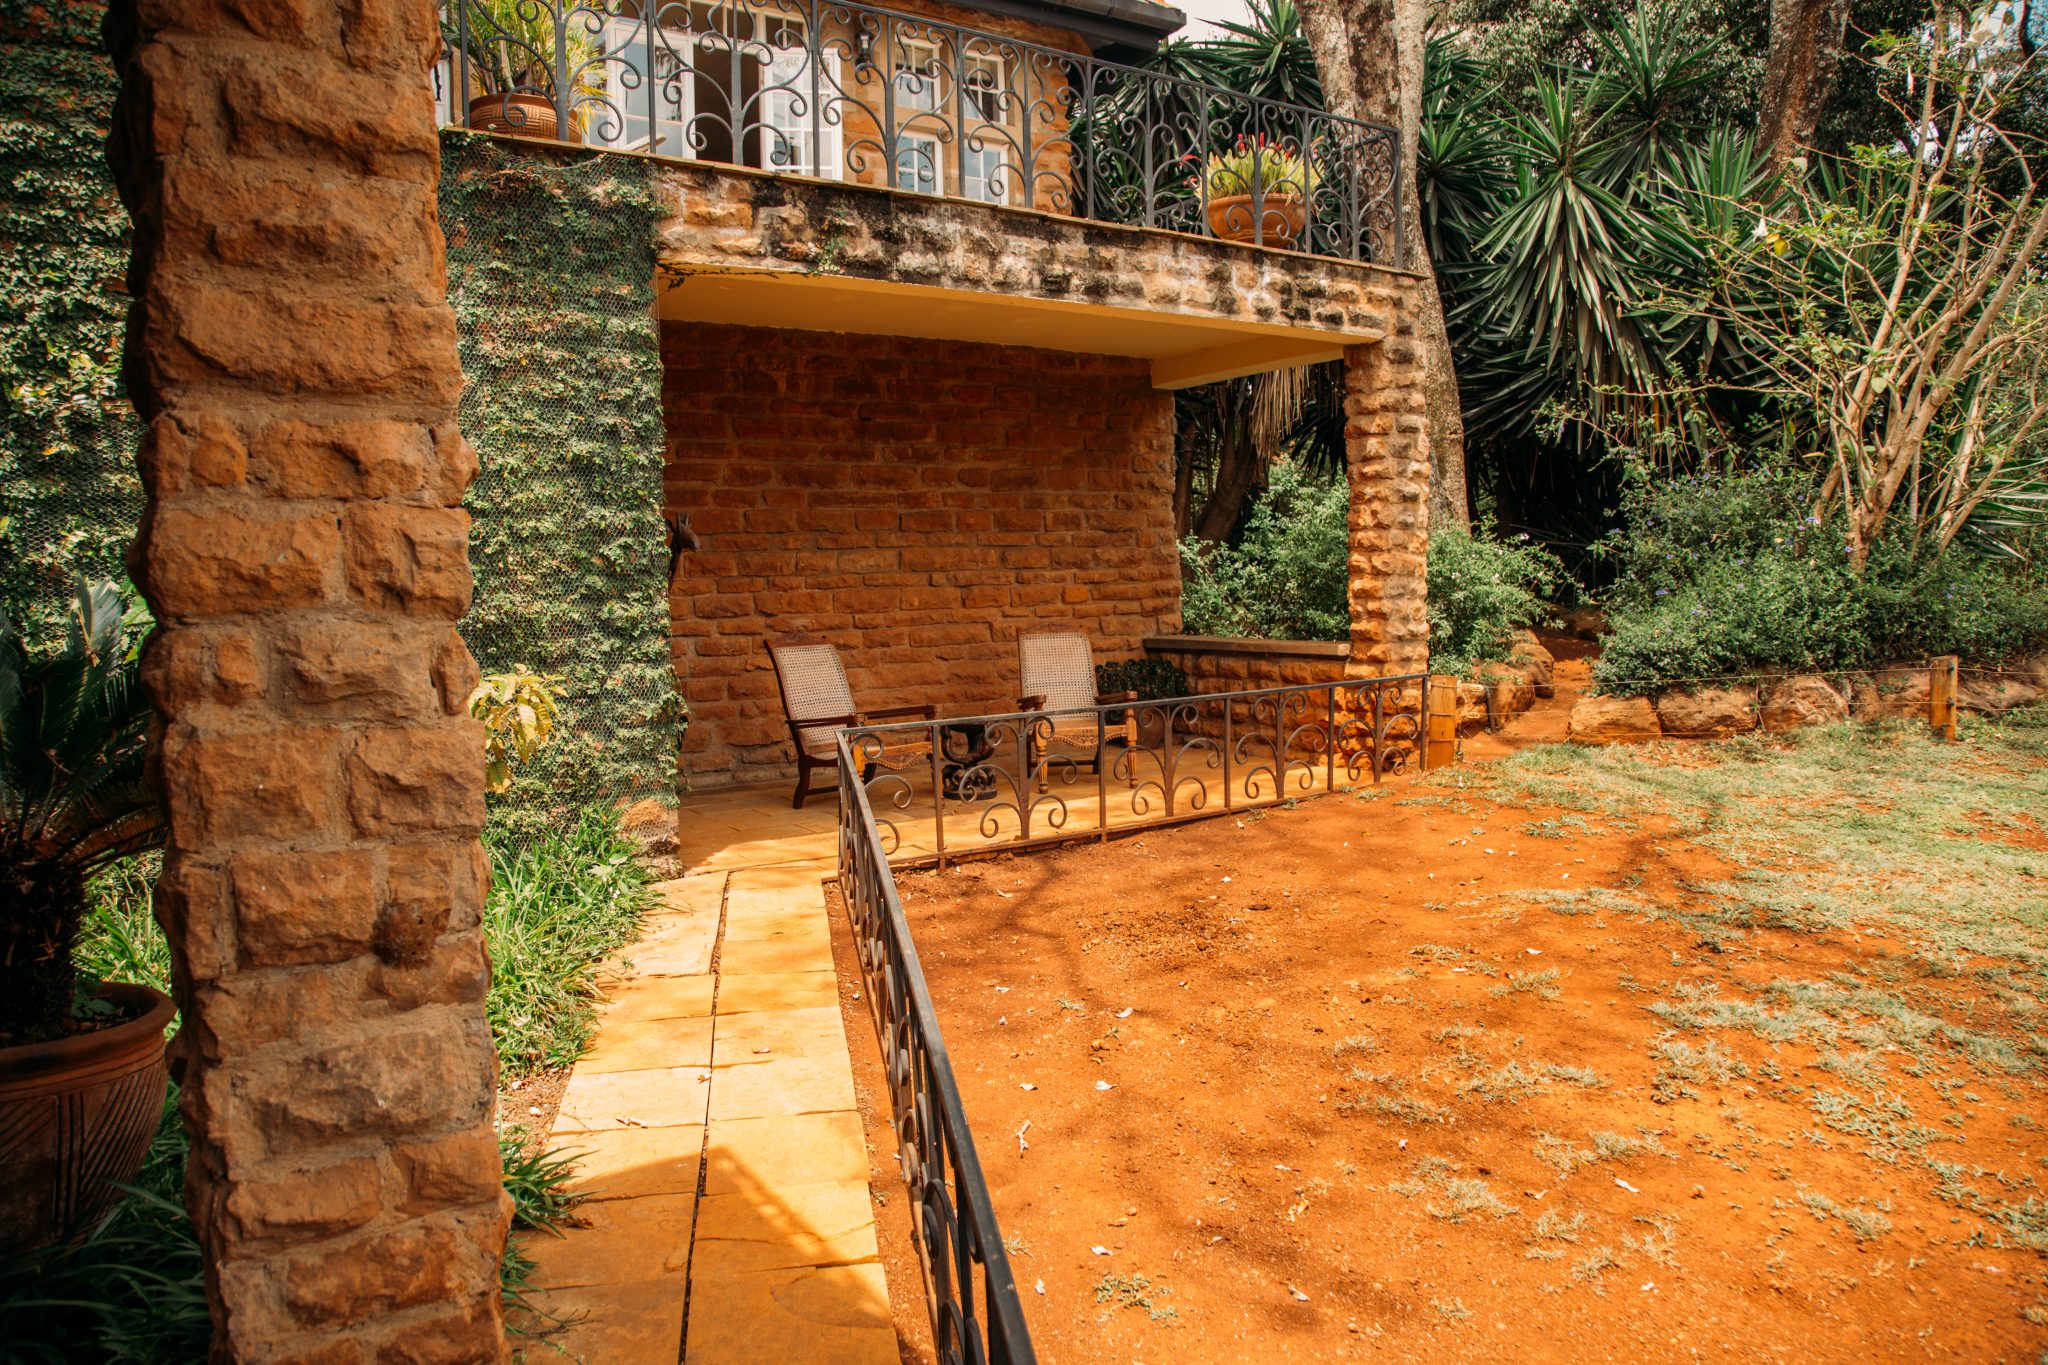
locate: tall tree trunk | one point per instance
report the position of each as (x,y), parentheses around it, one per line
(1369,54)
(1799,72)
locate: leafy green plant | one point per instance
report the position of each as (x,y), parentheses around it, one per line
(518,710)
(1481,590)
(1257,165)
(1287,576)
(559,904)
(72,800)
(512,44)
(1151,679)
(1724,575)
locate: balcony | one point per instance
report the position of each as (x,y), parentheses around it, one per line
(863,96)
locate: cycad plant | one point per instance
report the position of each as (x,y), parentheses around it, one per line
(73,801)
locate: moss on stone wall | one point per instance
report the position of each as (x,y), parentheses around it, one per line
(69,495)
(551,274)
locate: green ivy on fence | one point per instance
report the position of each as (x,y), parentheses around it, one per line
(551,274)
(69,495)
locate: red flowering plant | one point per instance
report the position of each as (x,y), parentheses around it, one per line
(1262,166)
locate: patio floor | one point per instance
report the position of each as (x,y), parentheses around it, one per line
(722,1155)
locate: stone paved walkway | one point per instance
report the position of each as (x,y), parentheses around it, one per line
(724,1160)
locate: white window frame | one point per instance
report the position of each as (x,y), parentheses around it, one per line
(665,134)
(920,155)
(792,66)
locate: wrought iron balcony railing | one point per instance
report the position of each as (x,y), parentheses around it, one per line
(872,96)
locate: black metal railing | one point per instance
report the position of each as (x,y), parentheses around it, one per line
(971,1293)
(951,787)
(1012,776)
(855,93)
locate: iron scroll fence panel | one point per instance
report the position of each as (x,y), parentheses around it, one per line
(950,787)
(852,92)
(1017,779)
(971,1292)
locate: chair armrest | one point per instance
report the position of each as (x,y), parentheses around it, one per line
(1034,702)
(922,712)
(1113,698)
(834,722)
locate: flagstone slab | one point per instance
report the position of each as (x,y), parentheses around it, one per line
(814,1032)
(623,1163)
(774,956)
(818,1315)
(675,945)
(670,1097)
(802,924)
(647,1044)
(612,1324)
(777,991)
(619,1241)
(763,1086)
(784,1226)
(786,1149)
(668,997)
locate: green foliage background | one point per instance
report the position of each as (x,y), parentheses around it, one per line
(69,495)
(551,275)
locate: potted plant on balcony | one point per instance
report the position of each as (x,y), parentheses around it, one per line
(511,45)
(82,1074)
(1258,191)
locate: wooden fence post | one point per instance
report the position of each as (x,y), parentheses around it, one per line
(1941,696)
(1441,747)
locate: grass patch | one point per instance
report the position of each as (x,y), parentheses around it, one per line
(558,907)
(1543,985)
(1137,1291)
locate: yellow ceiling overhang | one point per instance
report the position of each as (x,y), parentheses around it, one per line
(1185,349)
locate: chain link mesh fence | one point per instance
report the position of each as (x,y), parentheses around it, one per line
(551,274)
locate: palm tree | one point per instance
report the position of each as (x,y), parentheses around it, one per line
(72,800)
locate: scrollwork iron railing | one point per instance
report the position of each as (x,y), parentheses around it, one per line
(970,1291)
(946,788)
(1182,758)
(855,93)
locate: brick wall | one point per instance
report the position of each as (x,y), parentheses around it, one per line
(917,502)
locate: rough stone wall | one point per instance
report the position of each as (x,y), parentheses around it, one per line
(1240,670)
(918,503)
(724,219)
(293,358)
(1386,438)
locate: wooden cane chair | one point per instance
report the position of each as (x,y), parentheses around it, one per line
(817,700)
(1058,672)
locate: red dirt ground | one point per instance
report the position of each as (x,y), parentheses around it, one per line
(1269,1156)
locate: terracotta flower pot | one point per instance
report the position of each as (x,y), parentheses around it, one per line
(76,1117)
(527,115)
(1230,218)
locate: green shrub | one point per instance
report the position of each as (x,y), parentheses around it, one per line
(558,905)
(1287,576)
(1151,679)
(1726,575)
(1480,591)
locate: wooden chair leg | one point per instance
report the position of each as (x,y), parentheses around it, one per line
(803,783)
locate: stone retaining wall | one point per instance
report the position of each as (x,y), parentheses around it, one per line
(1901,692)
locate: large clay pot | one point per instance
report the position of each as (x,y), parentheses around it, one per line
(76,1117)
(1231,218)
(527,115)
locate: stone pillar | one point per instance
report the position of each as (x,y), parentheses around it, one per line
(292,355)
(1386,441)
